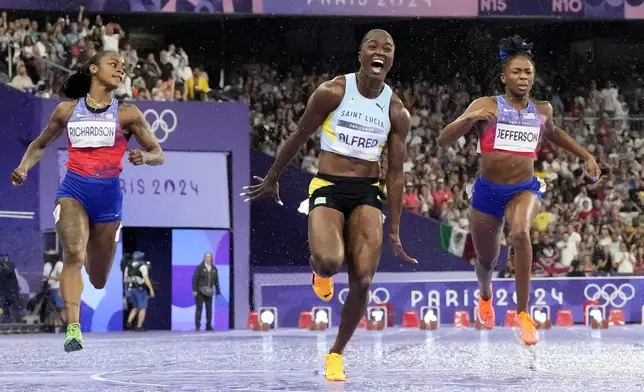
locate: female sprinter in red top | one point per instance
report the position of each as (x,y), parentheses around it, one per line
(88,209)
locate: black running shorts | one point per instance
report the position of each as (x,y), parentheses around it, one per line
(344,194)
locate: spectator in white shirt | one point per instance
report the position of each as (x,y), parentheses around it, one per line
(570,246)
(22,81)
(130,56)
(112,36)
(182,72)
(624,260)
(175,56)
(41,45)
(609,98)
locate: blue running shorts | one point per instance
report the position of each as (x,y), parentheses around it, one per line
(102,198)
(491,198)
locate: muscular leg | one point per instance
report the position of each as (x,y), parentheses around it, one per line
(73,229)
(364,242)
(326,226)
(520,213)
(100,252)
(486,235)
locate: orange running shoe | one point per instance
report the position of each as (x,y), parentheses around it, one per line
(528,329)
(323,287)
(334,367)
(486,316)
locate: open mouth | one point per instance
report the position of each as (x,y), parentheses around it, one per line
(377,65)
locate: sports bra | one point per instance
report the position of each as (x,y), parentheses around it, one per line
(516,133)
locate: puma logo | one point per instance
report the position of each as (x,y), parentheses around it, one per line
(382,108)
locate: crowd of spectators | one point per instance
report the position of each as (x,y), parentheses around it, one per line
(41,57)
(583,227)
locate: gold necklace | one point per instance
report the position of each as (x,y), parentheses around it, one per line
(96,104)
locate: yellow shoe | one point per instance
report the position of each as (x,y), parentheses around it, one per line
(334,367)
(323,287)
(528,329)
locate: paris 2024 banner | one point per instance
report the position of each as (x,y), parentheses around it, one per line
(405,294)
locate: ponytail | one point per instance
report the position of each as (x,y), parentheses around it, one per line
(78,84)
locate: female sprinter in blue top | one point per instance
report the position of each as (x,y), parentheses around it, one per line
(509,127)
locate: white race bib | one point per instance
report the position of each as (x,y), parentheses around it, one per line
(91,134)
(357,143)
(518,138)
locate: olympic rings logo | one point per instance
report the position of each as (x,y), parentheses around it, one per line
(379,296)
(166,122)
(610,294)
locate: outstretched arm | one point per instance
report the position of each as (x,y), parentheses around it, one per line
(561,139)
(52,131)
(139,127)
(396,151)
(323,101)
(36,149)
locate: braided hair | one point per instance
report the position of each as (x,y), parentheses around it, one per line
(509,49)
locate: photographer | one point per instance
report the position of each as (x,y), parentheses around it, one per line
(203,280)
(139,287)
(10,301)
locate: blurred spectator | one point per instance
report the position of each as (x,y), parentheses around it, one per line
(176,55)
(151,71)
(167,69)
(182,72)
(411,200)
(112,36)
(22,81)
(196,87)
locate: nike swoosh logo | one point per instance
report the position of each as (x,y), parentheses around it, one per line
(479,319)
(327,296)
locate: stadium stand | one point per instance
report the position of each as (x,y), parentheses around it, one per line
(583,228)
